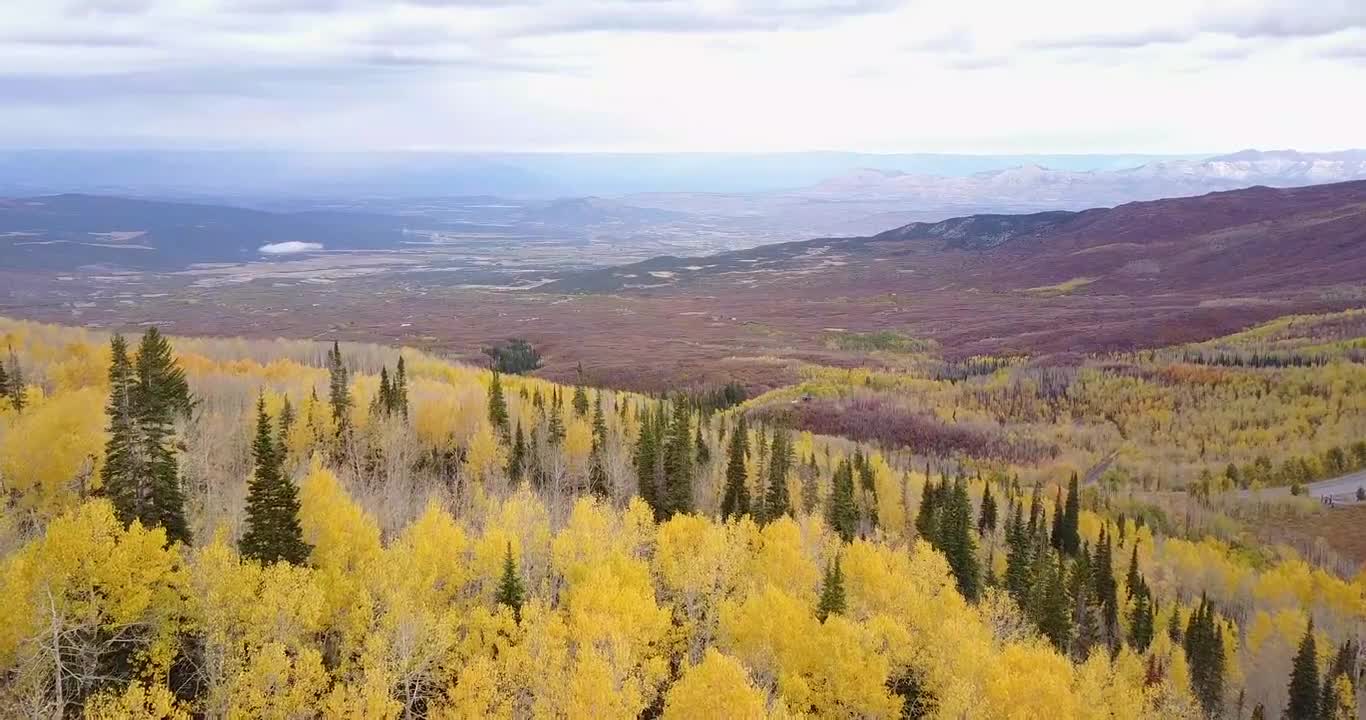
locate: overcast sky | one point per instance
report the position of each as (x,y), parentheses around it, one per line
(988,76)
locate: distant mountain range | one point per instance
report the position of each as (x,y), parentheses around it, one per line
(1246,241)
(1034,184)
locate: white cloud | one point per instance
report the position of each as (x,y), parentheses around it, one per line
(289,248)
(959,75)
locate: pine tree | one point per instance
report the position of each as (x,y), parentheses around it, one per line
(832,592)
(646,457)
(955,539)
(735,502)
(498,409)
(1050,605)
(777,503)
(986,520)
(159,394)
(384,399)
(273,532)
(1019,557)
(1058,527)
(1106,589)
(4,382)
(580,401)
(339,391)
(1204,647)
(842,513)
(16,383)
(1071,537)
(703,451)
(555,425)
(678,465)
(400,388)
(123,468)
(517,458)
(599,423)
(1304,681)
(927,517)
(286,422)
(1132,578)
(510,592)
(1141,618)
(597,465)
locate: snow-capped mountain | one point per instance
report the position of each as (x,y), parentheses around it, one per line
(1032,184)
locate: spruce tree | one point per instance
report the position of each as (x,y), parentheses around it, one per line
(956,540)
(1019,557)
(286,422)
(678,465)
(735,501)
(1303,703)
(927,517)
(1071,538)
(597,464)
(400,387)
(986,520)
(159,394)
(555,424)
(510,592)
(123,468)
(1204,647)
(1050,605)
(339,391)
(384,399)
(832,592)
(599,423)
(498,409)
(700,445)
(4,382)
(1132,579)
(580,401)
(842,513)
(1058,527)
(273,532)
(1141,618)
(1106,589)
(777,502)
(646,458)
(517,458)
(16,383)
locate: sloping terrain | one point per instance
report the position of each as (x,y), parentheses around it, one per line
(1253,240)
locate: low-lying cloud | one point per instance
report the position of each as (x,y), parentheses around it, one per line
(289,248)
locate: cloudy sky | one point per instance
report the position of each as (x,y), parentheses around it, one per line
(987,76)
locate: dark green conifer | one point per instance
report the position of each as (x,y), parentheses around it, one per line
(400,388)
(123,470)
(14,386)
(986,520)
(580,401)
(1071,538)
(498,408)
(517,457)
(339,391)
(735,501)
(678,465)
(955,535)
(273,532)
(1303,703)
(510,592)
(842,513)
(777,502)
(160,394)
(832,592)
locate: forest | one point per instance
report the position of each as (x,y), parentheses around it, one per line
(231,528)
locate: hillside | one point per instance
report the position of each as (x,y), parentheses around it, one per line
(364,531)
(1253,239)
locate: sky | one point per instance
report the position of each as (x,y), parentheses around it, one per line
(971,76)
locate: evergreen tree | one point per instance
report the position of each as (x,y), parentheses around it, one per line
(4,382)
(1343,668)
(1071,538)
(1174,624)
(842,513)
(1050,605)
(735,502)
(832,592)
(498,408)
(1141,618)
(678,465)
(339,391)
(1304,681)
(1056,533)
(597,464)
(123,469)
(286,422)
(1132,579)
(517,458)
(16,383)
(1019,557)
(599,423)
(1035,510)
(510,592)
(555,425)
(160,393)
(647,455)
(955,535)
(703,452)
(580,401)
(1204,647)
(1106,589)
(986,520)
(777,502)
(400,388)
(927,517)
(273,532)
(384,399)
